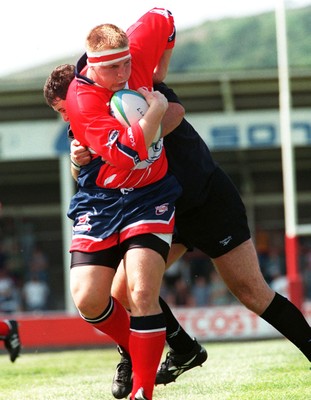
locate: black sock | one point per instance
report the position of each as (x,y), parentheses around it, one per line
(176,337)
(288,320)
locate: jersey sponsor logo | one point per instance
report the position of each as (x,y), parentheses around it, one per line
(131,137)
(225,241)
(159,210)
(113,137)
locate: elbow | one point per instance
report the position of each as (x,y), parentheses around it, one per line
(181,112)
(158,77)
(178,112)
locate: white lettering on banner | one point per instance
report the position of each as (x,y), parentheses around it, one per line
(257,135)
(240,130)
(227,323)
(250,129)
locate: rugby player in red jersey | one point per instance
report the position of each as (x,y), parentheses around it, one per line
(124,207)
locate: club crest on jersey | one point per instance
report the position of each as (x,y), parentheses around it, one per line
(159,210)
(113,137)
(83,224)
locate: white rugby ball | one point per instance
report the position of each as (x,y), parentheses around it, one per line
(128,107)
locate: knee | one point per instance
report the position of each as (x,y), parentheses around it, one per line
(89,305)
(255,298)
(144,303)
(245,295)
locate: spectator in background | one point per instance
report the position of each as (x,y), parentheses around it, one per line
(166,294)
(35,294)
(9,296)
(14,262)
(275,264)
(176,286)
(38,264)
(200,291)
(279,281)
(182,295)
(305,263)
(262,248)
(3,255)
(219,293)
(178,270)
(199,264)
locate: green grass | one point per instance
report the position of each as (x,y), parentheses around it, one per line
(262,370)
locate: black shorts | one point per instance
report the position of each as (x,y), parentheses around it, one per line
(112,256)
(219,224)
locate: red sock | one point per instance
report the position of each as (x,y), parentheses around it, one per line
(117,325)
(4,329)
(146,351)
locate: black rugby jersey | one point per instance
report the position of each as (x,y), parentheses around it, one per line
(189,158)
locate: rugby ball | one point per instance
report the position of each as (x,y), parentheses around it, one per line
(128,107)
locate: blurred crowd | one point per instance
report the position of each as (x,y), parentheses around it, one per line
(194,282)
(190,282)
(24,282)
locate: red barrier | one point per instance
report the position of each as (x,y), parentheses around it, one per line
(57,330)
(60,330)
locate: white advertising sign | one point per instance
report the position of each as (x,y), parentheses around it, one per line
(245,130)
(241,130)
(227,323)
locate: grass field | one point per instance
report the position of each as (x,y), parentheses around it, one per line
(261,370)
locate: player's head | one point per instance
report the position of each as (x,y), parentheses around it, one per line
(108,56)
(56,87)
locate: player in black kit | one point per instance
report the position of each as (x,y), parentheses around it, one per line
(211,216)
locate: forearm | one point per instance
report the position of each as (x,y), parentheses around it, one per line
(151,121)
(160,71)
(79,155)
(150,124)
(172,118)
(74,173)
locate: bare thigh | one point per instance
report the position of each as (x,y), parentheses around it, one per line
(177,250)
(119,286)
(119,290)
(240,271)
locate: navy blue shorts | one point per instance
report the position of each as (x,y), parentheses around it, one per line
(104,218)
(219,223)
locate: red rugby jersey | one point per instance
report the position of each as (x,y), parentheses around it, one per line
(128,163)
